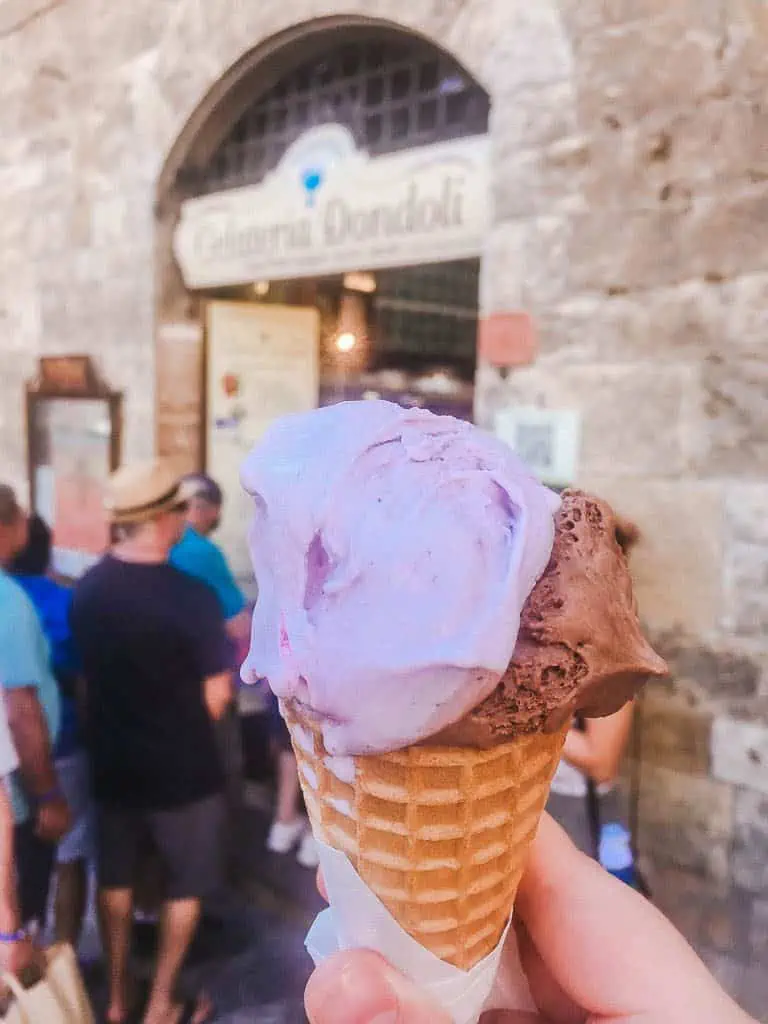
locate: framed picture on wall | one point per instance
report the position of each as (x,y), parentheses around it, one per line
(74,437)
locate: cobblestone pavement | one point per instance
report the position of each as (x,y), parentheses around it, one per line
(250,955)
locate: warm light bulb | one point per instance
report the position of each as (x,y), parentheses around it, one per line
(346,341)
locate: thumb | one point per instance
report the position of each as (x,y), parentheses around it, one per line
(359,987)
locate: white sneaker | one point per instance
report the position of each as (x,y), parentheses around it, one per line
(282,837)
(307,852)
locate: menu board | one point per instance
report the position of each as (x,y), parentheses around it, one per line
(262,364)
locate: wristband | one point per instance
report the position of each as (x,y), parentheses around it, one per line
(11,938)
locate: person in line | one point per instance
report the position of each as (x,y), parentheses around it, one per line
(197,554)
(157,667)
(592,950)
(592,752)
(52,601)
(40,809)
(584,795)
(17,953)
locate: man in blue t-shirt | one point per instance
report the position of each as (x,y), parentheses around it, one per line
(197,555)
(41,814)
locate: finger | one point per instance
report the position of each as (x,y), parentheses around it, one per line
(359,987)
(321,885)
(608,948)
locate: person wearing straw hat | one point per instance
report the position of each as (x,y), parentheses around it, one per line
(157,664)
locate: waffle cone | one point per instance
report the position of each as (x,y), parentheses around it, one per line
(439,834)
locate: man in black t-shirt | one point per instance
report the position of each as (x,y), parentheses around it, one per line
(157,664)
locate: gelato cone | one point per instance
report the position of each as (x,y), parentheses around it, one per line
(439,834)
(431,617)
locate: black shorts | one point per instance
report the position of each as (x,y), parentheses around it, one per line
(187,839)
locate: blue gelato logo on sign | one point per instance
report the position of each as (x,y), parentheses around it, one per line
(312,179)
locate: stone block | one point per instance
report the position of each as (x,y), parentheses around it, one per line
(531,48)
(679,894)
(585,16)
(619,426)
(726,970)
(750,847)
(12,433)
(746,590)
(15,13)
(533,117)
(525,265)
(740,753)
(674,734)
(686,820)
(630,71)
(547,278)
(758,933)
(677,563)
(745,513)
(538,182)
(743,48)
(720,141)
(735,394)
(126,33)
(745,304)
(710,673)
(619,249)
(752,994)
(726,236)
(20,309)
(502,269)
(675,154)
(663,324)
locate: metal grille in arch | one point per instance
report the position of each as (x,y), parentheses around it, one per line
(392,92)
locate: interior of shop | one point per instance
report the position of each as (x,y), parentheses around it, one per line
(404,334)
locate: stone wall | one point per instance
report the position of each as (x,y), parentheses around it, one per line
(631,208)
(652,310)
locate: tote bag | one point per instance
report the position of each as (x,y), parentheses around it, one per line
(58,998)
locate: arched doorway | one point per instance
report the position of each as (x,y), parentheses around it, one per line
(330,204)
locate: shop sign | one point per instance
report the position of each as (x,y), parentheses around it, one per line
(330,208)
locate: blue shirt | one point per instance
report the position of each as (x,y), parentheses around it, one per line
(25,661)
(52,603)
(198,556)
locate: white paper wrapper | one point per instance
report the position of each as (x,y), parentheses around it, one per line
(357,919)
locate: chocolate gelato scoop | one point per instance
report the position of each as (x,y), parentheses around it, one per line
(579,649)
